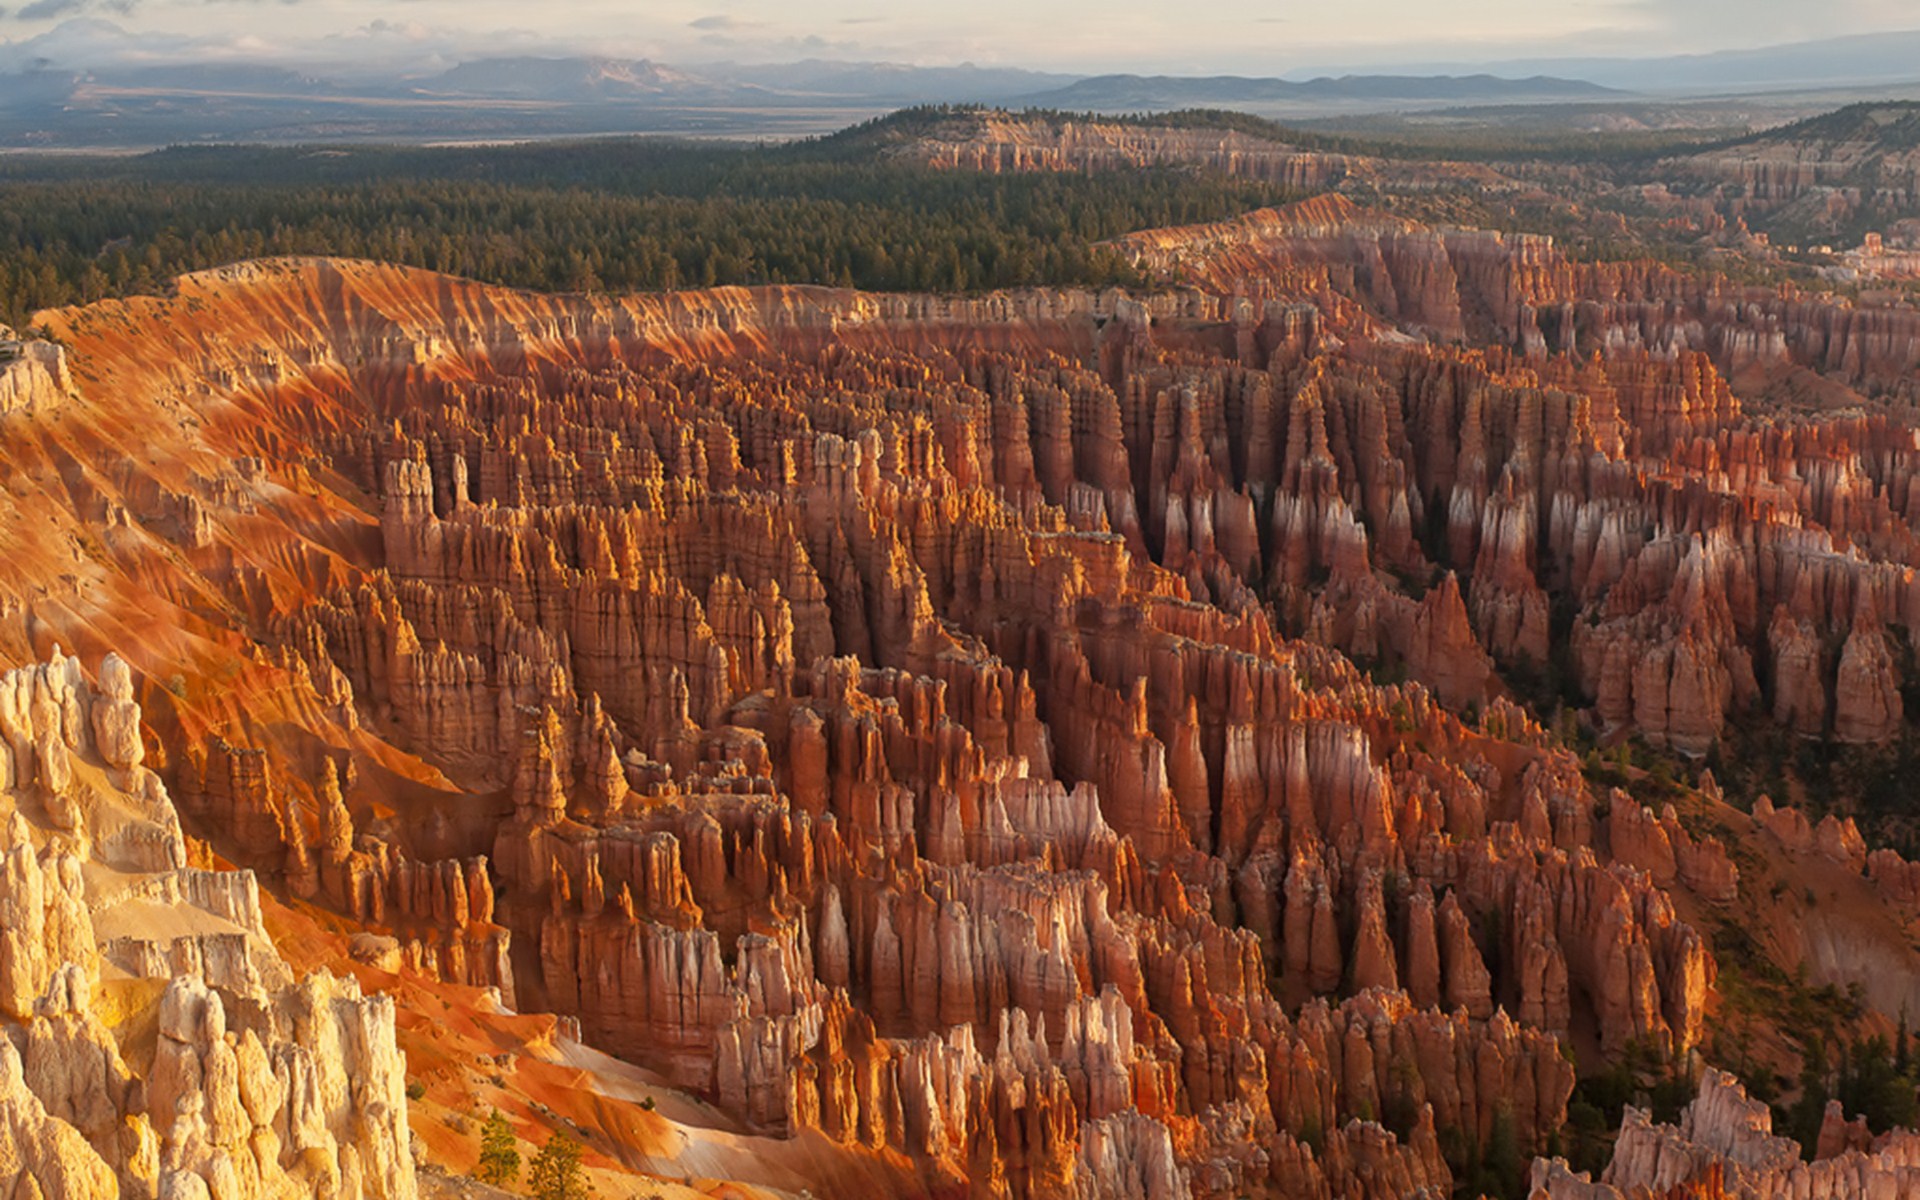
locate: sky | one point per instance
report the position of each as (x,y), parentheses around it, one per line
(1149,36)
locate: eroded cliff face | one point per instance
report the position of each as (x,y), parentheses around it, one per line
(999,142)
(889,717)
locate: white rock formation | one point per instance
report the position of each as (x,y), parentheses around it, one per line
(259,1085)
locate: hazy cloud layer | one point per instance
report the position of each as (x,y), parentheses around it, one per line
(1242,36)
(1715,24)
(49,10)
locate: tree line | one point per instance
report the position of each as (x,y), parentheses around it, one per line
(624,214)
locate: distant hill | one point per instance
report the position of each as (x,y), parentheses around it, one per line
(1150,93)
(1829,62)
(1871,129)
(1833,177)
(1224,144)
(947,122)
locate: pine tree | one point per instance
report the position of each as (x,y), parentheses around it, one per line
(499,1153)
(1501,1160)
(555,1173)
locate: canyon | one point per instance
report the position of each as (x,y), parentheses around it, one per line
(1043,743)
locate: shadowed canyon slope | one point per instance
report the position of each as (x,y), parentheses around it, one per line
(923,736)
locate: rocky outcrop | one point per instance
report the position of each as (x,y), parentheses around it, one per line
(318,1103)
(256,1086)
(1724,1145)
(33,374)
(44,1155)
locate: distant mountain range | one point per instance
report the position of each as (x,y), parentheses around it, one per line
(639,82)
(531,97)
(1830,62)
(90,83)
(1159,93)
(607,81)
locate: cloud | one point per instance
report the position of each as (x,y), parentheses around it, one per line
(343,38)
(47,10)
(1709,22)
(381,27)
